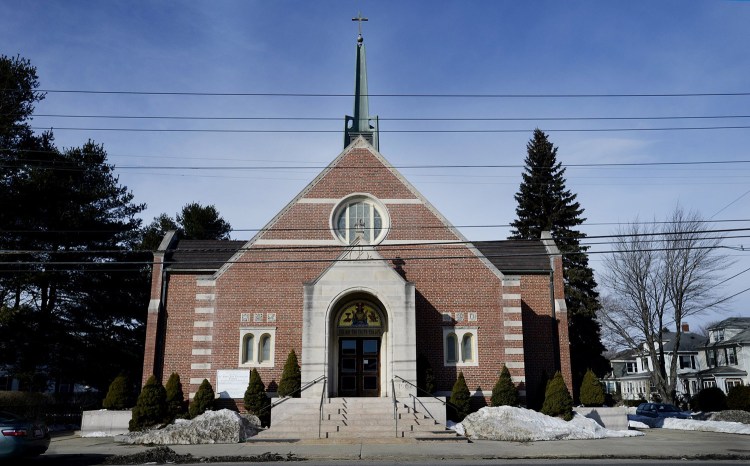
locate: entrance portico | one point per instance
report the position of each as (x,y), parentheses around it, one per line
(359,329)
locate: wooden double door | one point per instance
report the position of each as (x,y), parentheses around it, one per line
(359,367)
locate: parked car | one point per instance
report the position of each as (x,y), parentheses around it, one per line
(21,437)
(661,410)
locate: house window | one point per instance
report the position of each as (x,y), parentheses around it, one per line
(257,346)
(644,363)
(719,334)
(360,213)
(631,367)
(451,348)
(732,356)
(711,357)
(730,383)
(709,383)
(463,354)
(687,361)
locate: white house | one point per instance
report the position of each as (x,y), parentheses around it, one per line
(727,354)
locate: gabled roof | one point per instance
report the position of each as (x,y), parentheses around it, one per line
(732,322)
(513,256)
(689,341)
(201,255)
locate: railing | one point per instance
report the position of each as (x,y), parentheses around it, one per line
(322,397)
(429,395)
(291,395)
(395,404)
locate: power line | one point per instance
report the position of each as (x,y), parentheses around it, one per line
(430,131)
(425,95)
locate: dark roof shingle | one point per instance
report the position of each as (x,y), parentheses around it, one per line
(513,256)
(202,254)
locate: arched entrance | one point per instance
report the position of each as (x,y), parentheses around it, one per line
(358,334)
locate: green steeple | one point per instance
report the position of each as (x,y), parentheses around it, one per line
(361,124)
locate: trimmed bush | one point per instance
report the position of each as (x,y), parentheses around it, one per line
(120,395)
(27,404)
(739,398)
(151,407)
(592,392)
(256,400)
(203,400)
(175,398)
(291,377)
(504,393)
(557,399)
(460,400)
(710,399)
(425,375)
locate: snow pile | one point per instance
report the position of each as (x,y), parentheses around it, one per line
(519,424)
(96,434)
(731,415)
(633,424)
(223,426)
(707,426)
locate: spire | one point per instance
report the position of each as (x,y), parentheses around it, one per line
(360,124)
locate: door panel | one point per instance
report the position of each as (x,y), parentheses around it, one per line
(359,367)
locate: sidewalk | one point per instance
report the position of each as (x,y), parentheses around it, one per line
(656,444)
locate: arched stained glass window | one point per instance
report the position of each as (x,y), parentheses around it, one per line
(467,348)
(265,348)
(247,348)
(451,347)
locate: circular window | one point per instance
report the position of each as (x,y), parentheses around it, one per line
(360,215)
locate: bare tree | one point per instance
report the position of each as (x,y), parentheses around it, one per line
(658,275)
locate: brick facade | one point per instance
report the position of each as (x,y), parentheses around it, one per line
(198,310)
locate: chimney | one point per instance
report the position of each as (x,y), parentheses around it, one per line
(685,327)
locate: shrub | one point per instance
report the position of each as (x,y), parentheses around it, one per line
(291,377)
(425,375)
(710,399)
(27,404)
(460,399)
(739,397)
(256,400)
(175,398)
(592,392)
(119,395)
(557,399)
(151,407)
(504,393)
(203,400)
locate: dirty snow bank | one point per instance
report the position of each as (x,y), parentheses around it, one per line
(519,424)
(223,426)
(643,422)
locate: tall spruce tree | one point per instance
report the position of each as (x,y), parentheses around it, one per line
(545,204)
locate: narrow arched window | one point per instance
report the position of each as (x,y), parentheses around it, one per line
(265,348)
(247,348)
(467,348)
(451,348)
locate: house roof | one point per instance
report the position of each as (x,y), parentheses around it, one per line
(208,255)
(624,355)
(732,322)
(723,371)
(512,256)
(689,341)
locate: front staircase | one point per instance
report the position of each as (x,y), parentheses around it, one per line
(353,418)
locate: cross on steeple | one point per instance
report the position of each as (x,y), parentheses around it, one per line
(360,19)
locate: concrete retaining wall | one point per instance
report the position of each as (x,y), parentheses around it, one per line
(110,422)
(612,418)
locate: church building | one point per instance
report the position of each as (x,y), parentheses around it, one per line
(361,276)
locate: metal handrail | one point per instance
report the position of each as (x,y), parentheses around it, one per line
(445,402)
(322,397)
(395,404)
(299,390)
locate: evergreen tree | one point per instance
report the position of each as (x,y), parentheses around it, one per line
(151,407)
(204,399)
(504,393)
(460,399)
(425,375)
(557,399)
(545,204)
(291,377)
(256,400)
(193,221)
(175,397)
(592,392)
(119,395)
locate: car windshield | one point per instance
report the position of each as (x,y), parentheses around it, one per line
(8,417)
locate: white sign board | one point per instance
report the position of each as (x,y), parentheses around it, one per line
(232,383)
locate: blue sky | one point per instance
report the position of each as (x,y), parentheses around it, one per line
(413,47)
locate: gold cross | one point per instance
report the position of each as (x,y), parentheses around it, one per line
(360,19)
